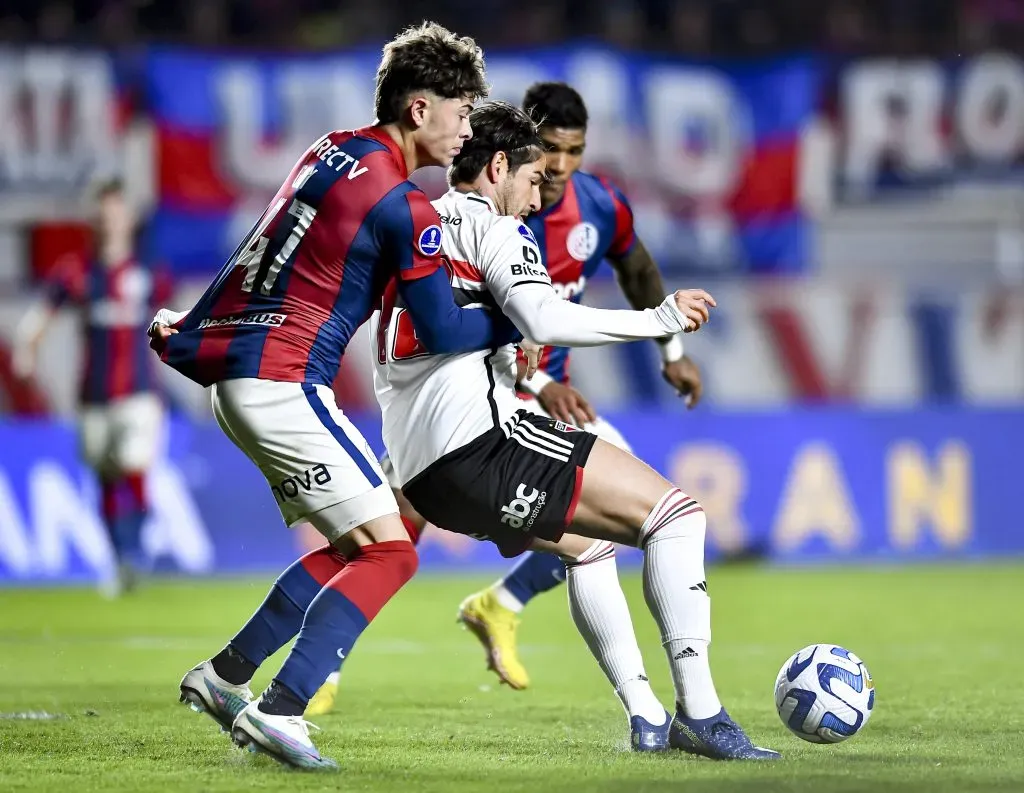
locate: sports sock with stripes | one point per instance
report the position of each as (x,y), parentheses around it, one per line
(675,588)
(599,609)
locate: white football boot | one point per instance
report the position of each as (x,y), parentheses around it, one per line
(285,738)
(206,692)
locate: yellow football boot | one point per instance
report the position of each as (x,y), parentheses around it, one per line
(495,626)
(323,700)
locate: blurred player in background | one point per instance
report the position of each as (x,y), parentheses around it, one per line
(583,221)
(121,416)
(269,334)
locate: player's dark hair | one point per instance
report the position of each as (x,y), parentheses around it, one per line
(497,126)
(555,105)
(431,58)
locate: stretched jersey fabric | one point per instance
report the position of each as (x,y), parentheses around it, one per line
(286,303)
(592,220)
(114,305)
(434,404)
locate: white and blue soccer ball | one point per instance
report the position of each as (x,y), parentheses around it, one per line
(824,694)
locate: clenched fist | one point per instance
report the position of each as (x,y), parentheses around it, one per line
(695,305)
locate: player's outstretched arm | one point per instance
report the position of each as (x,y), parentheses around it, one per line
(511,264)
(442,326)
(409,232)
(545,318)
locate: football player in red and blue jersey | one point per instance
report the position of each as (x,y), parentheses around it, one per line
(584,220)
(121,416)
(268,336)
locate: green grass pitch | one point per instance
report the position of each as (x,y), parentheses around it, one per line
(419,712)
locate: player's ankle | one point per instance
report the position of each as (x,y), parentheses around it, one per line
(231,667)
(279,700)
(506,599)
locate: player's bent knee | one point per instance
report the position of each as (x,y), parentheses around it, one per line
(676,514)
(597,551)
(407,561)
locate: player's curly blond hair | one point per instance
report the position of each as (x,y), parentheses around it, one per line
(427,57)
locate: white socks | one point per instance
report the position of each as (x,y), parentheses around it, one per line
(599,610)
(675,588)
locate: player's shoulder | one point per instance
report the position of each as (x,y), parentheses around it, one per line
(466,206)
(467,215)
(365,154)
(596,186)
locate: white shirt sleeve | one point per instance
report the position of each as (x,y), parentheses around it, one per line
(511,264)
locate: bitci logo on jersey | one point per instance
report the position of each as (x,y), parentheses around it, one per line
(429,242)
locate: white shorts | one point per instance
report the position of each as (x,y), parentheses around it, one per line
(600,427)
(318,466)
(122,436)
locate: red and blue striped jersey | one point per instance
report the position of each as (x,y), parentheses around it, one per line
(115,305)
(283,307)
(592,220)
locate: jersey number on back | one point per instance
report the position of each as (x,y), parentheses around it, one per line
(254,249)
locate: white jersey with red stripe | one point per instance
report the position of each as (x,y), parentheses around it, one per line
(435,404)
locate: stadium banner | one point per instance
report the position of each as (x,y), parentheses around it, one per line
(708,154)
(793,486)
(914,124)
(64,121)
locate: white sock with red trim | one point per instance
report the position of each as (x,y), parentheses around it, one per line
(599,609)
(675,588)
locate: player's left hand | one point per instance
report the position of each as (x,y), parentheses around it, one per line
(532,352)
(684,376)
(158,336)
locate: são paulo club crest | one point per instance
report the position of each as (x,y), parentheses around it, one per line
(582,241)
(429,242)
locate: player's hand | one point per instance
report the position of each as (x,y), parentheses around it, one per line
(158,335)
(695,305)
(160,329)
(565,403)
(531,352)
(684,376)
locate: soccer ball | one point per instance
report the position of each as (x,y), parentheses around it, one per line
(824,694)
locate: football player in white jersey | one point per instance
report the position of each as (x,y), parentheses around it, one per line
(471,460)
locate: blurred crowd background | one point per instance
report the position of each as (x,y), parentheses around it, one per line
(692,28)
(846,175)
